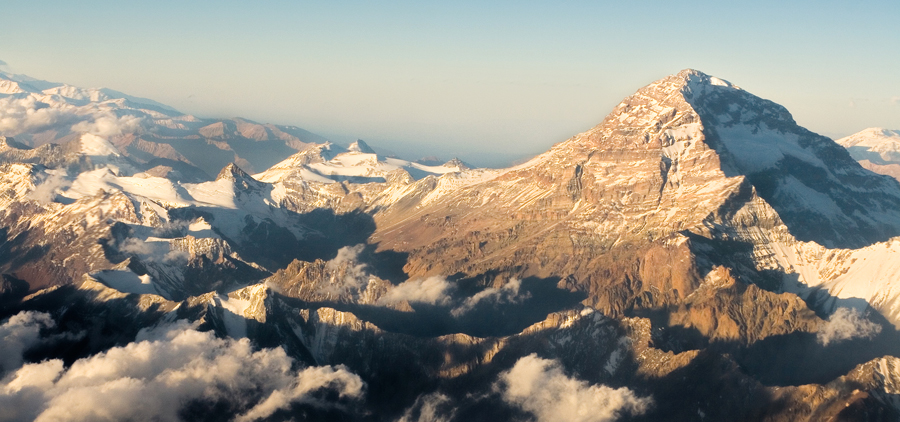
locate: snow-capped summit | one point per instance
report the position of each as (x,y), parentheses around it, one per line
(328,163)
(361,147)
(876,149)
(457,163)
(814,185)
(78,94)
(239,177)
(9,86)
(875,144)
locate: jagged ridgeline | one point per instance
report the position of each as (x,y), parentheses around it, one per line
(695,256)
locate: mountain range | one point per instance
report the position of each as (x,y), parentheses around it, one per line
(697,255)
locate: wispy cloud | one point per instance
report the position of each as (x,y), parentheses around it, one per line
(46,191)
(846,324)
(509,293)
(433,407)
(107,124)
(159,251)
(350,275)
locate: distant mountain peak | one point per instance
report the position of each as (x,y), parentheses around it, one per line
(870,136)
(876,149)
(361,147)
(456,162)
(233,172)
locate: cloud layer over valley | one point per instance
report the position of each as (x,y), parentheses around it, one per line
(164,366)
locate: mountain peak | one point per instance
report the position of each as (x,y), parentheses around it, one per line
(233,172)
(361,147)
(870,137)
(691,123)
(456,162)
(686,82)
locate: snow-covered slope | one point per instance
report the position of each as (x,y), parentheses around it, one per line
(832,278)
(883,142)
(329,163)
(818,190)
(876,149)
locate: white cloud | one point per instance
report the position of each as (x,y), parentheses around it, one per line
(46,191)
(19,333)
(432,290)
(31,113)
(165,368)
(158,251)
(539,386)
(509,293)
(846,324)
(106,124)
(18,115)
(436,290)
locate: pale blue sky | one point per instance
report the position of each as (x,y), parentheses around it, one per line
(467,78)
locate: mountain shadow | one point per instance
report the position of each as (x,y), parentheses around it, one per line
(266,242)
(491,317)
(795,358)
(820,192)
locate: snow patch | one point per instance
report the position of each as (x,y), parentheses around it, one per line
(126,281)
(756,149)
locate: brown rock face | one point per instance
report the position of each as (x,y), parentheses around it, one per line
(603,209)
(725,309)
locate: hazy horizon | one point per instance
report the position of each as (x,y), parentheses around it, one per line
(487,83)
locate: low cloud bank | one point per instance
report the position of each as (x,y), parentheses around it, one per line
(27,113)
(846,324)
(19,115)
(165,369)
(540,387)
